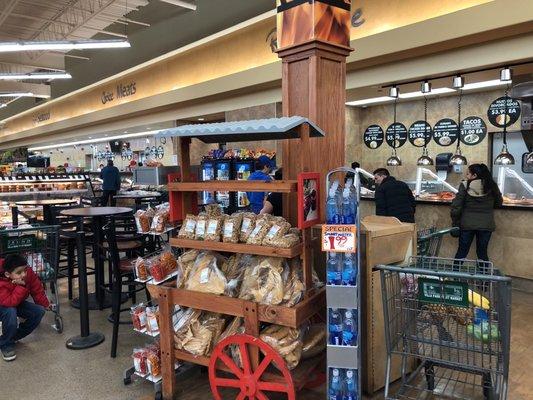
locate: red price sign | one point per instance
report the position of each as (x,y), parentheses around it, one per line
(339,238)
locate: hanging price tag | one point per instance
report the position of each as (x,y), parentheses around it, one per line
(339,238)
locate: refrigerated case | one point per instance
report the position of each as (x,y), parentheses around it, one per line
(242,170)
(207,174)
(223,172)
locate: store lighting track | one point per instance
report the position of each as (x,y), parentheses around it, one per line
(16,94)
(63,45)
(98,140)
(413,95)
(35,76)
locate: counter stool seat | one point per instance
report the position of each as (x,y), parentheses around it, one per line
(126,245)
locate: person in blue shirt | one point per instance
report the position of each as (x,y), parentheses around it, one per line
(111,177)
(263,166)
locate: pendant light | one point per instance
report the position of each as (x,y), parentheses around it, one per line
(505,158)
(394,160)
(425,160)
(458,158)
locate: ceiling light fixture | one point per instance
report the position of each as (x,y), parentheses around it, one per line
(425,160)
(35,76)
(180,3)
(433,92)
(17,94)
(425,87)
(506,74)
(483,84)
(62,45)
(394,160)
(458,82)
(201,119)
(394,91)
(458,158)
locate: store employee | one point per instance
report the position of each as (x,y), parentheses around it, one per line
(111,177)
(263,166)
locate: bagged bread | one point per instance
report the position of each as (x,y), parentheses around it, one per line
(232,328)
(233,269)
(264,282)
(247,226)
(206,276)
(232,228)
(201,226)
(214,228)
(314,341)
(187,230)
(262,226)
(286,341)
(278,229)
(294,287)
(185,264)
(200,334)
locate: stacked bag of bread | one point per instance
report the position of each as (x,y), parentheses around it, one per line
(205,275)
(286,341)
(198,332)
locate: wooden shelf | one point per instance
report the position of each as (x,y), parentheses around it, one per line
(293,317)
(238,248)
(182,355)
(235,186)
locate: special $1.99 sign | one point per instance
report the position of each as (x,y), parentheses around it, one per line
(339,238)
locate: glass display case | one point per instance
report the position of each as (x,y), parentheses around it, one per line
(515,189)
(13,188)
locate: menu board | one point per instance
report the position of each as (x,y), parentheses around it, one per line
(445,132)
(420,133)
(396,135)
(473,131)
(496,112)
(373,136)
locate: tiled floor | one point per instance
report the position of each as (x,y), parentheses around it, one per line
(46,370)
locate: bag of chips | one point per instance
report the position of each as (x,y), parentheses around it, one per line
(206,276)
(264,282)
(185,264)
(262,226)
(214,228)
(232,228)
(276,231)
(201,225)
(247,226)
(187,230)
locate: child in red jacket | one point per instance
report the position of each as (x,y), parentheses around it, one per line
(17,282)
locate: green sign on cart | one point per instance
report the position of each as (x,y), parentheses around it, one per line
(18,243)
(450,293)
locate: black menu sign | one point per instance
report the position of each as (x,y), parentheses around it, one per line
(496,112)
(373,136)
(420,133)
(396,135)
(473,131)
(445,132)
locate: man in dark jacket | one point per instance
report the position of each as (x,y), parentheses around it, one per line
(111,177)
(393,197)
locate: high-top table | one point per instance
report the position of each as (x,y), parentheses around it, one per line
(138,197)
(46,204)
(99,299)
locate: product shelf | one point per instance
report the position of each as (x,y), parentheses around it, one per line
(238,248)
(235,186)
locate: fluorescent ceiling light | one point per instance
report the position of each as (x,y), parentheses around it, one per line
(62,45)
(17,94)
(105,139)
(484,84)
(35,76)
(410,95)
(2,105)
(369,101)
(433,92)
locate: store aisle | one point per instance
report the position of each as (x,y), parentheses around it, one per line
(52,372)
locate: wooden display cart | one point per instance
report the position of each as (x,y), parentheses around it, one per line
(258,374)
(385,240)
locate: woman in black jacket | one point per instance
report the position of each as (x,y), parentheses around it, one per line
(473,210)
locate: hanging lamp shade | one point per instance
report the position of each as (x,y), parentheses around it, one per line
(458,158)
(425,159)
(394,160)
(504,158)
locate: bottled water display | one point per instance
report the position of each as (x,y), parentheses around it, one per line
(335,326)
(343,384)
(334,269)
(349,329)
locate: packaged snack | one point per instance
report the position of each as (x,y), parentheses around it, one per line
(187,230)
(247,226)
(276,231)
(186,264)
(156,270)
(138,316)
(213,210)
(314,341)
(214,228)
(152,319)
(286,341)
(199,334)
(140,361)
(143,219)
(232,328)
(140,268)
(232,228)
(294,287)
(153,359)
(286,241)
(161,217)
(262,226)
(201,225)
(205,276)
(264,282)
(168,263)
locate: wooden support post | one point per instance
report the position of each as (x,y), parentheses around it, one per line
(251,327)
(166,309)
(306,259)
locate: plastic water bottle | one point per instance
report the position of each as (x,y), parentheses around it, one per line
(332,207)
(349,270)
(349,329)
(350,385)
(348,216)
(335,326)
(335,385)
(334,268)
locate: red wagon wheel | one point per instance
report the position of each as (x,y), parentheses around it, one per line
(246,379)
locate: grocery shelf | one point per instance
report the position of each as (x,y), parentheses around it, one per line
(238,248)
(235,186)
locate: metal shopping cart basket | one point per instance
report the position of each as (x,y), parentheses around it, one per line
(449,321)
(39,244)
(429,240)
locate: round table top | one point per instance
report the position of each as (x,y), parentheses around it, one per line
(126,195)
(95,211)
(45,202)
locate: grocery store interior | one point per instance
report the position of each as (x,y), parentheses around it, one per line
(268,199)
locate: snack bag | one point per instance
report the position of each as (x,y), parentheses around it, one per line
(294,287)
(138,316)
(187,230)
(153,359)
(205,276)
(213,210)
(231,228)
(247,226)
(264,282)
(152,319)
(161,217)
(214,228)
(140,269)
(140,361)
(201,226)
(262,226)
(276,231)
(143,219)
(186,264)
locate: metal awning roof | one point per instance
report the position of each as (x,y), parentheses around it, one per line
(242,131)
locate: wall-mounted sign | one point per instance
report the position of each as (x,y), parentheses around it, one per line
(373,136)
(121,91)
(445,132)
(496,112)
(396,135)
(420,133)
(473,130)
(41,117)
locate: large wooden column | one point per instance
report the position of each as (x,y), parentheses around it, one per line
(314,37)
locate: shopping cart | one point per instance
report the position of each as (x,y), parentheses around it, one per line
(429,240)
(449,321)
(39,244)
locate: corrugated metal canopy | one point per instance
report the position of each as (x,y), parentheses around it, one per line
(242,131)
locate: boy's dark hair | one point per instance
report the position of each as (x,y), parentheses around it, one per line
(13,261)
(382,172)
